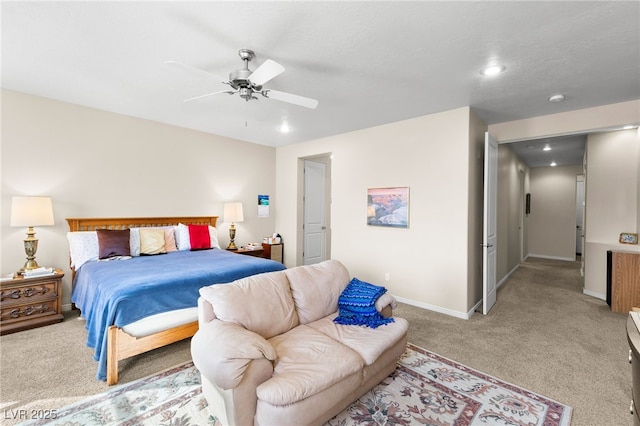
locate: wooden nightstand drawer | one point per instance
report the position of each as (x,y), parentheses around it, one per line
(14,313)
(21,293)
(30,302)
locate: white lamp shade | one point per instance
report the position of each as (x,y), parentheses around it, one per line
(31,211)
(233,212)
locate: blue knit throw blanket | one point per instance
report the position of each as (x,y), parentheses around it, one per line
(357,305)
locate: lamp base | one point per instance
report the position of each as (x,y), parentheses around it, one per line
(30,248)
(232,236)
(29,265)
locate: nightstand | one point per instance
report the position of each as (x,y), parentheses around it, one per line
(30,302)
(273,252)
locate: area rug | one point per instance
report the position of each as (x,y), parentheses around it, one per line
(425,389)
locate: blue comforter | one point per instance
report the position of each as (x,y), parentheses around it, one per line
(120,292)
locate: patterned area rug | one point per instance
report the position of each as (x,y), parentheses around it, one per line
(425,389)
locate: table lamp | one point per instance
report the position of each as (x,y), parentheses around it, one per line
(233,213)
(30,212)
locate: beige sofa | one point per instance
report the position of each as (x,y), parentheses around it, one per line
(270,354)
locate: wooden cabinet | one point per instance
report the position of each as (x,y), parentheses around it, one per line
(30,302)
(625,281)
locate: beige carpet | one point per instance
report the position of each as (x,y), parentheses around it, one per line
(543,334)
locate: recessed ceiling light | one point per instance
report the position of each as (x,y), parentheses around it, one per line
(553,164)
(284,128)
(546,148)
(493,69)
(557,98)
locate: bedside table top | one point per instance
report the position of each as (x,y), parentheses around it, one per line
(244,250)
(57,273)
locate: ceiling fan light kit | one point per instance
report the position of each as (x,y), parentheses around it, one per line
(247,83)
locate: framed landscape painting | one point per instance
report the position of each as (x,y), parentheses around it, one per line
(388,207)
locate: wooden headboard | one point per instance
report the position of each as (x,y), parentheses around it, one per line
(91,224)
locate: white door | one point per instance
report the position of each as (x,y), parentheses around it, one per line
(315,229)
(489,239)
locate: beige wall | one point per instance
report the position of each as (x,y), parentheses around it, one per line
(95,163)
(552,222)
(98,164)
(606,117)
(477,130)
(512,243)
(611,201)
(429,262)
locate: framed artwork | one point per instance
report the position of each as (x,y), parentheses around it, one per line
(628,238)
(388,207)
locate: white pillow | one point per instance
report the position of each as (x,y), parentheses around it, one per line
(134,241)
(213,233)
(83,247)
(184,242)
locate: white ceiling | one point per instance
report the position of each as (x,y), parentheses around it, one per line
(367,63)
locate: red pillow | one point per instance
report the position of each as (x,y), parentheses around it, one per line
(199,237)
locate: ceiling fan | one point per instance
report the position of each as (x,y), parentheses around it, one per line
(248,84)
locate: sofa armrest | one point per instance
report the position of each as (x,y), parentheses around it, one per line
(222,351)
(385,305)
(205,312)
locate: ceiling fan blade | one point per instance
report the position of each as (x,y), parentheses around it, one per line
(229,92)
(292,99)
(265,72)
(195,70)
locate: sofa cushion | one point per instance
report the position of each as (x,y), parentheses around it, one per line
(307,362)
(370,343)
(261,303)
(316,288)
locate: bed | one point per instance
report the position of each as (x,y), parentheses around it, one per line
(134,304)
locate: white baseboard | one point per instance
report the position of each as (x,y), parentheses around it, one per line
(461,315)
(66,307)
(594,294)
(506,277)
(542,256)
(439,309)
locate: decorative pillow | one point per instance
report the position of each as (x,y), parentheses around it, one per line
(357,305)
(169,239)
(113,242)
(83,247)
(183,240)
(199,237)
(152,241)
